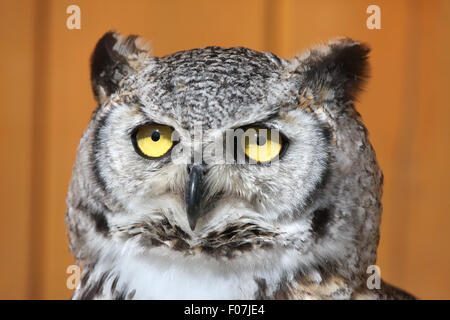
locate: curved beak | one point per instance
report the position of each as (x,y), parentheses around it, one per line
(194,193)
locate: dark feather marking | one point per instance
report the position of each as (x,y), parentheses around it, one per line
(321,218)
(283,290)
(124,294)
(181,234)
(234,239)
(94,289)
(181,245)
(114,284)
(260,293)
(131,294)
(85,277)
(121,295)
(98,216)
(96,149)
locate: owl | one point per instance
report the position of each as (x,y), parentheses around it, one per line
(226,173)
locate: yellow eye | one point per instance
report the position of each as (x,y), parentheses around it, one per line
(262,145)
(154,140)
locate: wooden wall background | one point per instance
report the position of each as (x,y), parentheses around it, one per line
(47,102)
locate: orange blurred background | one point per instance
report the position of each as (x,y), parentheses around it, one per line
(47,103)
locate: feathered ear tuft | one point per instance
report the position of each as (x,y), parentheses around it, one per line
(113,59)
(337,70)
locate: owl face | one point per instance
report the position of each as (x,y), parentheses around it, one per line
(226,151)
(197,101)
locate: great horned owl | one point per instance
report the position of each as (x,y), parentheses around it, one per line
(300,221)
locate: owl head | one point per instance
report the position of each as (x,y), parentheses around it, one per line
(228,156)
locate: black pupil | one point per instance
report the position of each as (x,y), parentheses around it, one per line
(155,135)
(260,141)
